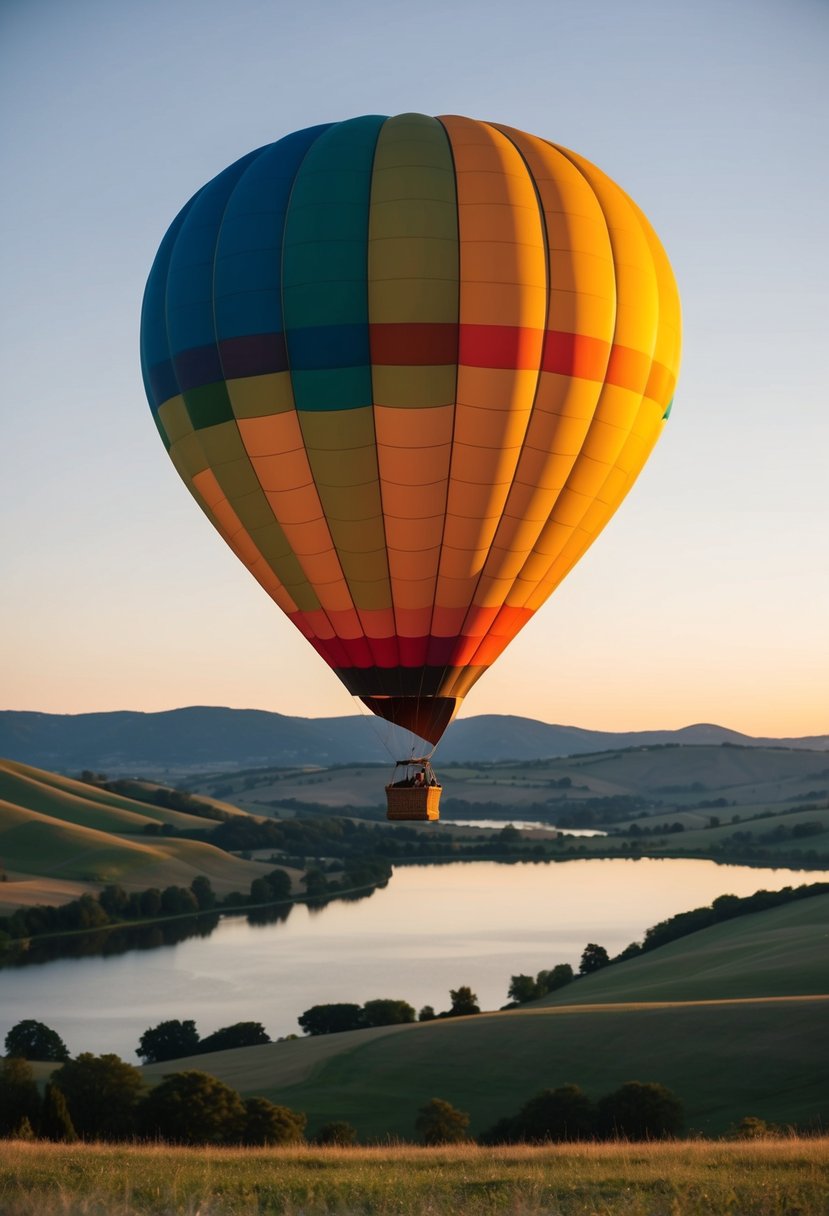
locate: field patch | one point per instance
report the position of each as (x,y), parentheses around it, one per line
(685,1179)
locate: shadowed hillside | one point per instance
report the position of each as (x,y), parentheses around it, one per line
(203,737)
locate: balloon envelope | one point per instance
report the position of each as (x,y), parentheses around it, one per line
(409,367)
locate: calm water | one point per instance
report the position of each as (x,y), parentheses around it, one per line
(523,823)
(431,929)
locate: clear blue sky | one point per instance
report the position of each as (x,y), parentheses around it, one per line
(116,593)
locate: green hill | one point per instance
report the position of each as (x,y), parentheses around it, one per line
(766,1054)
(782,952)
(82,804)
(59,837)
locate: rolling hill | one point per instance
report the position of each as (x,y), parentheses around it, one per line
(202,738)
(60,837)
(764,1052)
(679,776)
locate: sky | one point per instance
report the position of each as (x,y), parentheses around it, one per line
(706,599)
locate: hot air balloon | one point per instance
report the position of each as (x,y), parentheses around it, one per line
(409,367)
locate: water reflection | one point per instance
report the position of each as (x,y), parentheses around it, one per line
(432,928)
(107,943)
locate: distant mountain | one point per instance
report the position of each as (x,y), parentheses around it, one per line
(207,737)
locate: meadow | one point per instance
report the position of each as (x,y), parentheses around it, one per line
(692,1178)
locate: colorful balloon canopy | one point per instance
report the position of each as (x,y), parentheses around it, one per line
(409,367)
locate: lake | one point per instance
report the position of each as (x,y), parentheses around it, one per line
(495,824)
(432,928)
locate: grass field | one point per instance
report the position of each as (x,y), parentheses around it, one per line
(723,1060)
(764,1178)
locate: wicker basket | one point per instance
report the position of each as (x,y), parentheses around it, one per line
(413,802)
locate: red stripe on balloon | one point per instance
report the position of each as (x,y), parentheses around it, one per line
(575,355)
(430,344)
(414,344)
(501,346)
(413,651)
(385,652)
(460,651)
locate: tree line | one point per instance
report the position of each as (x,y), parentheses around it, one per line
(637,1110)
(341,1016)
(114,906)
(103,1098)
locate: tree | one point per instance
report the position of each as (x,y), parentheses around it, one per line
(593,959)
(266,1123)
(241,1034)
(56,1122)
(387,1012)
(32,1040)
(261,891)
(178,901)
(315,882)
(102,1095)
(438,1122)
(464,1001)
(331,1019)
(194,1108)
(427,1014)
(561,975)
(280,884)
(338,1133)
(523,988)
(561,1114)
(19,1097)
(640,1110)
(203,891)
(151,902)
(168,1041)
(114,900)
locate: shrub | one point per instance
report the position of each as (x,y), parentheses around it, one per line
(338,1133)
(438,1122)
(266,1123)
(640,1111)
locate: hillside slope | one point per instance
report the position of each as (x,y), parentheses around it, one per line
(60,837)
(767,1055)
(782,952)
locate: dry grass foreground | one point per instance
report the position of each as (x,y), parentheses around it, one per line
(691,1178)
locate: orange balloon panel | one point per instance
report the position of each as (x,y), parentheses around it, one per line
(409,367)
